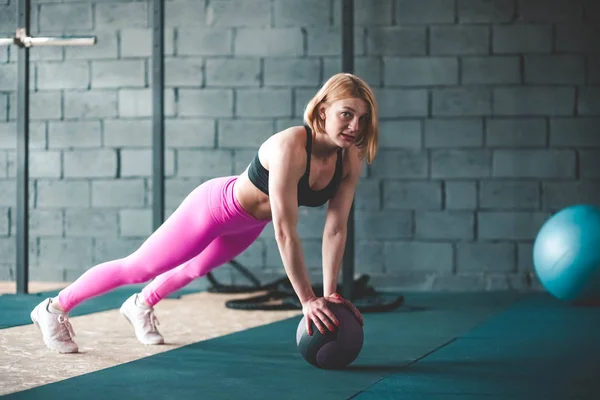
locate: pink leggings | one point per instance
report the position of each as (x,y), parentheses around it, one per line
(207,230)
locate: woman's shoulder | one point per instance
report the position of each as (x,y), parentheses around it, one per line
(289,143)
(351,161)
(294,135)
(289,139)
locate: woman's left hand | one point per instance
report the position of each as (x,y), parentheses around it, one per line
(336,298)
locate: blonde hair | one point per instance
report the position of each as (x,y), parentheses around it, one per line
(342,86)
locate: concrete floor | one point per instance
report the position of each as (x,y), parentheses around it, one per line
(106,339)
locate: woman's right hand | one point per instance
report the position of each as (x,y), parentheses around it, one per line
(315,310)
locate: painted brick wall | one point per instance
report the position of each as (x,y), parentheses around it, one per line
(490,114)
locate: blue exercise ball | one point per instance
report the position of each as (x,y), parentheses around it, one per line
(566,254)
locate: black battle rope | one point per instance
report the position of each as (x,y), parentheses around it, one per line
(280,294)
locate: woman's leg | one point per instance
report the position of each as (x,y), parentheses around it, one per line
(208,212)
(221,250)
(238,234)
(180,238)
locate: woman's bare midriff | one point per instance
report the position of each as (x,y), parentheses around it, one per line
(255,202)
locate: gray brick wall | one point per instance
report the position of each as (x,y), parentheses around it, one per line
(490,118)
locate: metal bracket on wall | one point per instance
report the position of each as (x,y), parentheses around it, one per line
(21,39)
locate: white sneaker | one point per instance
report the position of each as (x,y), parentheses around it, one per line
(56,329)
(143,321)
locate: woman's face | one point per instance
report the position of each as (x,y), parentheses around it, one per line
(345,120)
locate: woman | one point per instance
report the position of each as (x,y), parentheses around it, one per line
(299,166)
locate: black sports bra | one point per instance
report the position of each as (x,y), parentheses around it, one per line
(259,176)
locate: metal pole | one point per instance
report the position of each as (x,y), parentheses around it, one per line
(61,41)
(23,41)
(348,66)
(23,7)
(158,123)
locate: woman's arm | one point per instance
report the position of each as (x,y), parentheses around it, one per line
(336,222)
(287,163)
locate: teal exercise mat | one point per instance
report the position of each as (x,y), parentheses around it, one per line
(264,363)
(15,308)
(540,315)
(430,396)
(539,348)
